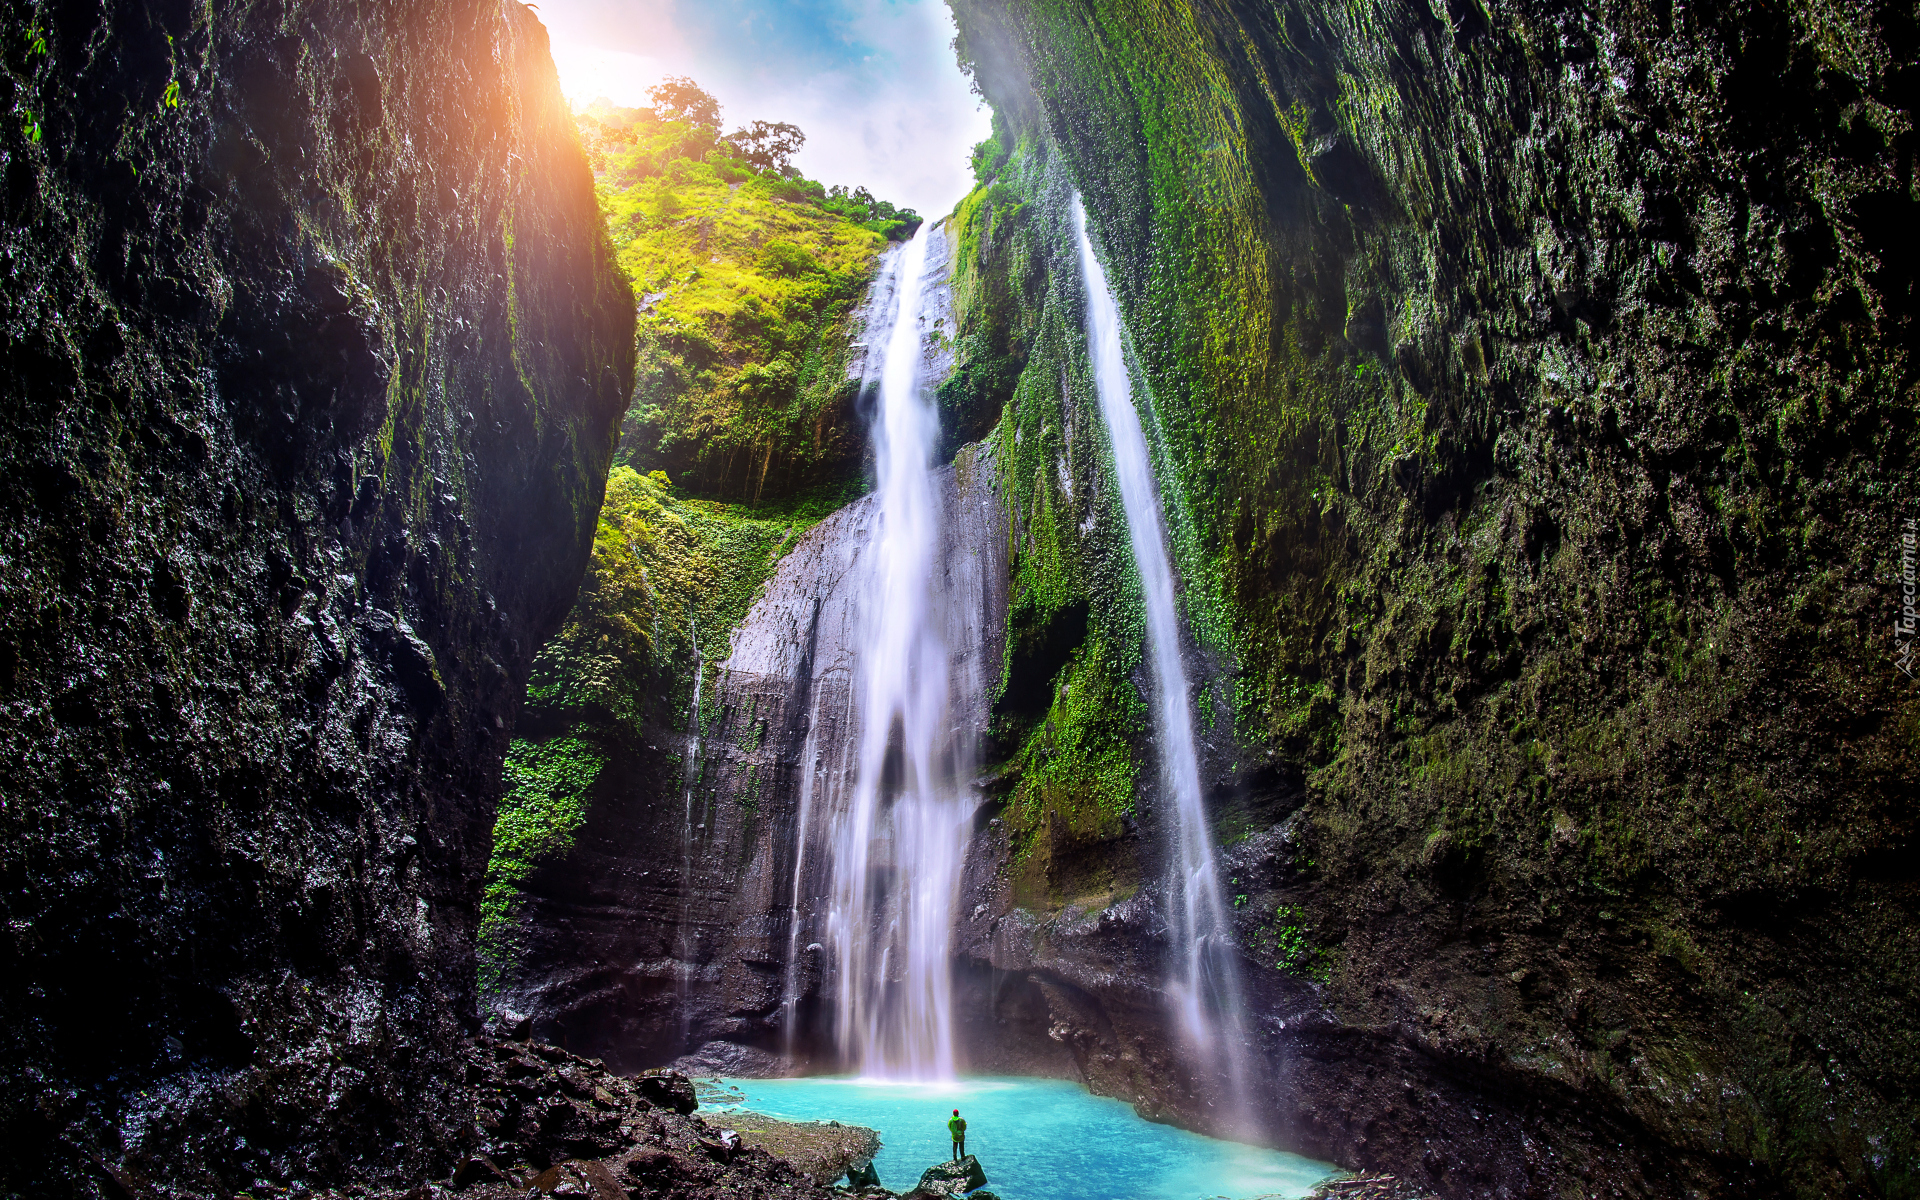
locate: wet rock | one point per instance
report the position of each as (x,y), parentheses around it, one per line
(787,684)
(650,1153)
(1368,1185)
(670,1090)
(478,1169)
(952,1178)
(733,1059)
(820,1150)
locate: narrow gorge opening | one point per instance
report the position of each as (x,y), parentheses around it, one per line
(1341,623)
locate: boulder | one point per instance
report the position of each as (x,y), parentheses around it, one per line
(863,1176)
(669,1089)
(953,1178)
(477,1169)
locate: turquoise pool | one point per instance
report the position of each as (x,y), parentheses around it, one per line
(1039,1139)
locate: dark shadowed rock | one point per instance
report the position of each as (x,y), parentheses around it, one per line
(311,351)
(670,1090)
(733,1059)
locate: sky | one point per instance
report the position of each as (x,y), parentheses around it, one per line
(873,83)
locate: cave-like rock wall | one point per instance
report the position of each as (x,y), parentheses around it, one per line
(313,354)
(1534,390)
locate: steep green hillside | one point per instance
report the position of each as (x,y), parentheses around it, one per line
(1533,388)
(748,275)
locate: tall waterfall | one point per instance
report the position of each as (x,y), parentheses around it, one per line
(896,850)
(1206,990)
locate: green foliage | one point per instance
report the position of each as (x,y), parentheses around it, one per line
(768,146)
(1078,761)
(545,800)
(679,99)
(750,275)
(1285,943)
(669,574)
(991,155)
(788,260)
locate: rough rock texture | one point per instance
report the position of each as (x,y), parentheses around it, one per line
(554,1124)
(1534,394)
(312,357)
(823,1151)
(950,1178)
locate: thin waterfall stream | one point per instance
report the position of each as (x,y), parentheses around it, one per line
(1205,990)
(689,949)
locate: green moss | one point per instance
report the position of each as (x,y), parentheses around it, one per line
(1285,943)
(548,788)
(670,578)
(1487,488)
(1078,762)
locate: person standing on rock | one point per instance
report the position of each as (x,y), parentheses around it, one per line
(958,1128)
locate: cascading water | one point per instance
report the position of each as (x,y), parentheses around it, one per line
(1206,994)
(688,950)
(897,848)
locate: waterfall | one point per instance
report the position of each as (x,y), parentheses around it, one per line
(1205,991)
(896,849)
(688,948)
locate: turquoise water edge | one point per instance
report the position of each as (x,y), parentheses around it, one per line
(1038,1139)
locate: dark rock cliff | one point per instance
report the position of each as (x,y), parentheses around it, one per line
(1534,388)
(313,357)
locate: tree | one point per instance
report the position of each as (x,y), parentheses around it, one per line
(768,145)
(677,98)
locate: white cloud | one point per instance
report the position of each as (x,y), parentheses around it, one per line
(892,112)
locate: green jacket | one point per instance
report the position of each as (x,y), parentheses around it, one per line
(957,1127)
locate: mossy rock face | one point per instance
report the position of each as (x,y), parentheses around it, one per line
(315,355)
(611,697)
(1533,399)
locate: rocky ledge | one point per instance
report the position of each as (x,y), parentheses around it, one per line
(823,1151)
(551,1123)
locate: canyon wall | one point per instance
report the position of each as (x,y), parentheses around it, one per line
(1532,392)
(314,357)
